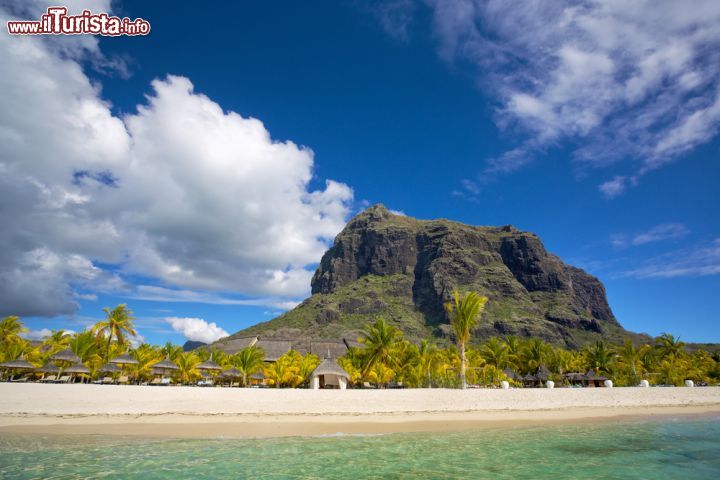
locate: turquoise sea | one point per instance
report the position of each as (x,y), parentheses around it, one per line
(668,449)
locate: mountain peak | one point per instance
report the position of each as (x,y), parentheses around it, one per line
(405,269)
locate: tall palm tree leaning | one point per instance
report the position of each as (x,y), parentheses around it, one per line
(117,324)
(381,340)
(464,318)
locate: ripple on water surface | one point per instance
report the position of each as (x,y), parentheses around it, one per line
(671,449)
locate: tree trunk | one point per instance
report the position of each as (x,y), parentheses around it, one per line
(463,360)
(107,349)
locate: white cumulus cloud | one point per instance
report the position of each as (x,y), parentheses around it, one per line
(197,329)
(180,191)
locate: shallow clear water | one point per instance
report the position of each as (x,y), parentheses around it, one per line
(650,450)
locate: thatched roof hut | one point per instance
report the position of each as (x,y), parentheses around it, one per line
(592,376)
(259,375)
(328,349)
(19,364)
(234,345)
(329,375)
(208,365)
(329,367)
(274,349)
(110,368)
(349,343)
(77,368)
(575,377)
(48,368)
(231,373)
(66,355)
(126,359)
(510,373)
(165,365)
(543,373)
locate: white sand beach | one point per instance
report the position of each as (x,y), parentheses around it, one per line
(195,411)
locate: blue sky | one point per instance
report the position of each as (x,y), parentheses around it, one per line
(597,131)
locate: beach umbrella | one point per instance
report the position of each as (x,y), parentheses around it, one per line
(232,373)
(66,355)
(543,373)
(19,364)
(110,368)
(208,365)
(77,368)
(165,365)
(258,376)
(49,368)
(125,359)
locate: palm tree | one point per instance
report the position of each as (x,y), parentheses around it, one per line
(146,355)
(406,355)
(464,318)
(84,345)
(535,353)
(171,351)
(10,330)
(186,363)
(306,364)
(380,341)
(600,357)
(495,352)
(281,371)
(426,360)
(249,360)
(119,322)
(632,356)
(669,345)
(58,340)
(381,374)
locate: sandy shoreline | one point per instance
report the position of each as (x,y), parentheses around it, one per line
(217,412)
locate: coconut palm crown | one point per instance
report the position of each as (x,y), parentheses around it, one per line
(464,318)
(117,324)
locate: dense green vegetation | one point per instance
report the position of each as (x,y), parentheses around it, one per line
(109,339)
(385,357)
(664,362)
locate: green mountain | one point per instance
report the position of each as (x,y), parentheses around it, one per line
(405,269)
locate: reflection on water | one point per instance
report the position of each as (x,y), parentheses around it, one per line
(671,449)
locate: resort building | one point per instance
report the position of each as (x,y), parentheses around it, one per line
(274,348)
(329,375)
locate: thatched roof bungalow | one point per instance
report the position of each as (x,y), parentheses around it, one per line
(66,355)
(234,345)
(126,359)
(329,375)
(328,348)
(19,364)
(274,349)
(594,380)
(208,365)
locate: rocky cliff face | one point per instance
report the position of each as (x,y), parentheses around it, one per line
(405,270)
